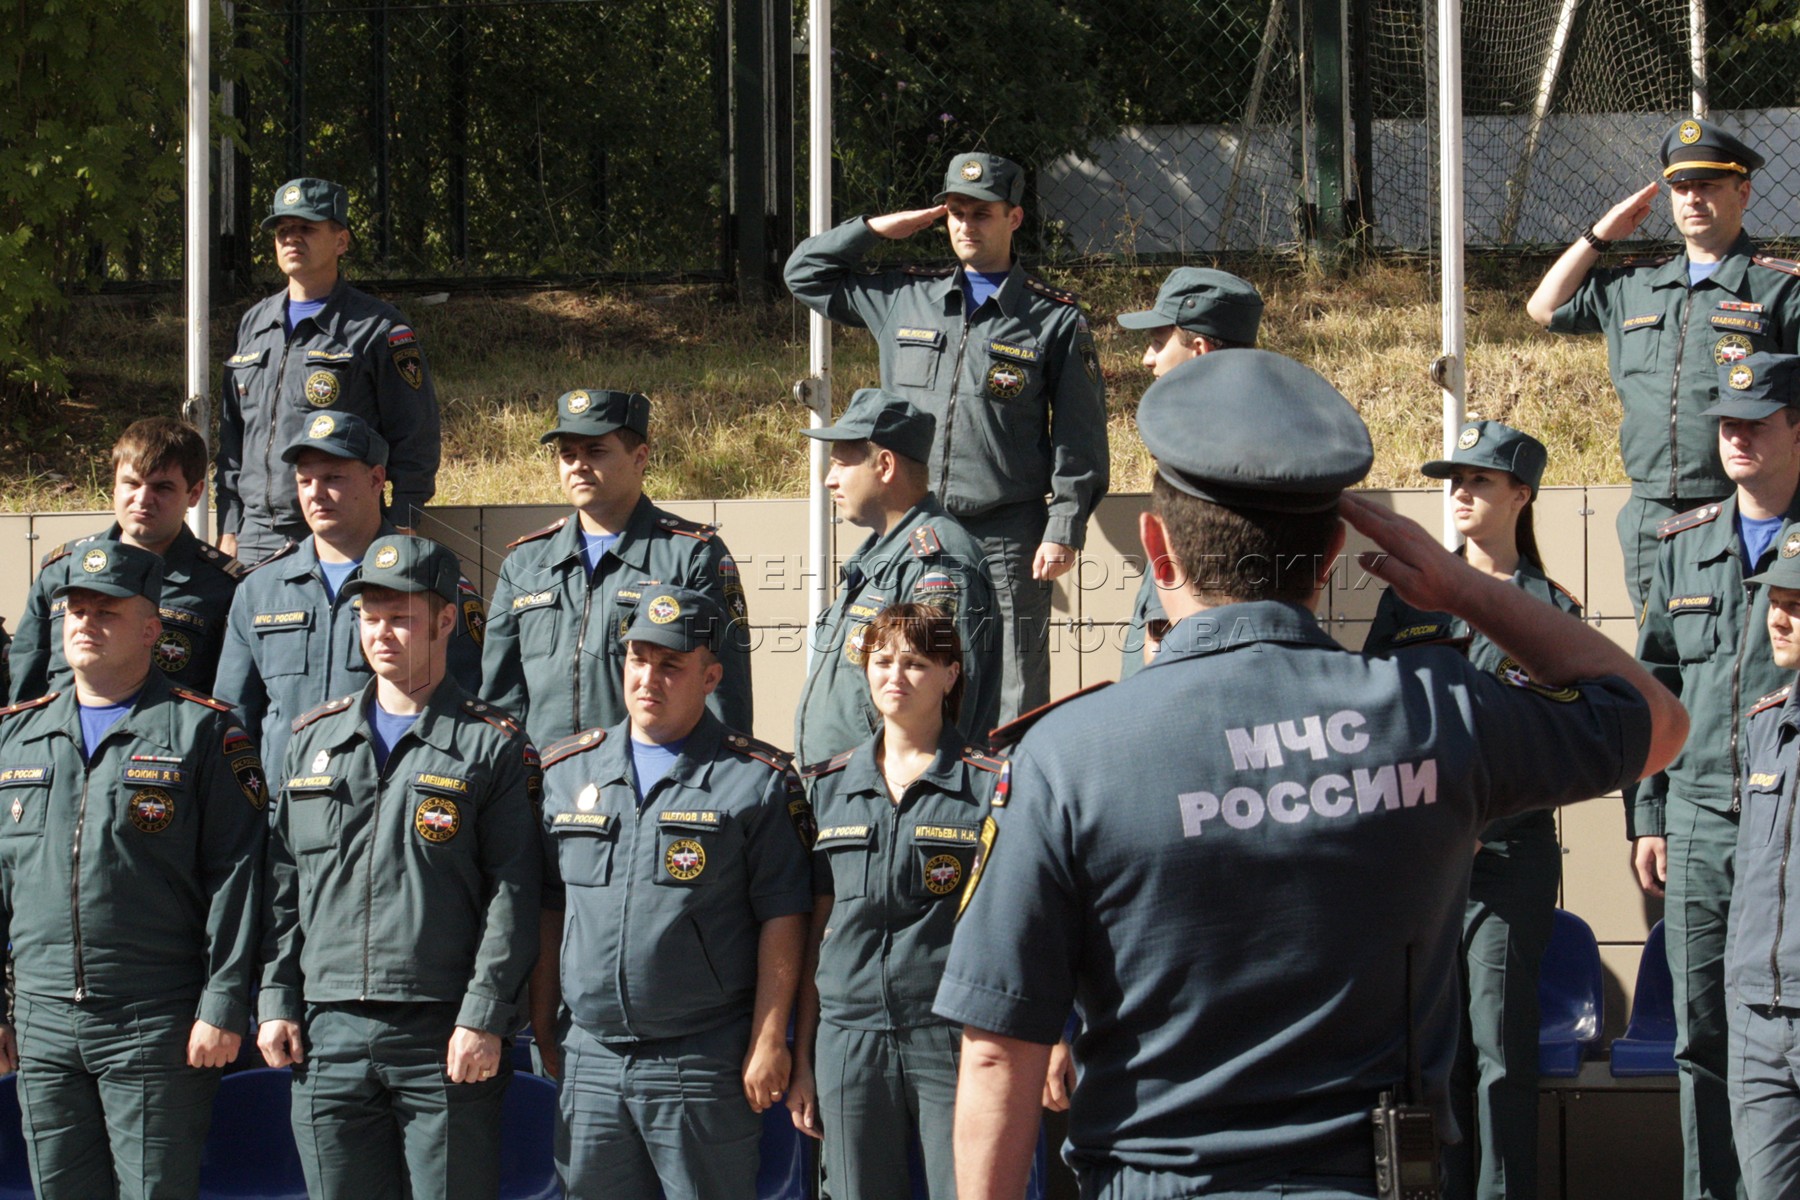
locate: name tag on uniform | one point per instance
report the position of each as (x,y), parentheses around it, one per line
(182,617)
(533,600)
(1740,322)
(842,835)
(448,784)
(1017,353)
(707,819)
(245,360)
(1647,321)
(144,774)
(292,619)
(1698,603)
(312,783)
(330,356)
(1765,781)
(581,822)
(1426,631)
(950,835)
(22,776)
(912,335)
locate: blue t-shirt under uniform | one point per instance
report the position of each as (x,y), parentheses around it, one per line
(651,763)
(1757,536)
(982,284)
(334,574)
(594,547)
(388,728)
(97,719)
(299,310)
(1701,272)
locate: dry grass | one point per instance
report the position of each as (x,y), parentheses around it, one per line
(721,377)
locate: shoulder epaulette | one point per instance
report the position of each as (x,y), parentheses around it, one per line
(223,561)
(1573,598)
(1693,518)
(1786,266)
(324,710)
(761,751)
(927,272)
(835,763)
(568,747)
(1010,733)
(697,530)
(201,698)
(493,716)
(22,705)
(280,554)
(1778,696)
(1647,260)
(984,762)
(925,542)
(61,551)
(1055,293)
(535,534)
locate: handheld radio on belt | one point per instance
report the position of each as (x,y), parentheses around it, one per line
(1406,1145)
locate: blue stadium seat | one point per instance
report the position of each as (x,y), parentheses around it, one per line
(15,1171)
(1648,1047)
(1572,1006)
(250,1153)
(521,1052)
(527,1140)
(1036,1187)
(786,1170)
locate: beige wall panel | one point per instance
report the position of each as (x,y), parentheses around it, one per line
(1562,535)
(1071,645)
(1350,634)
(1598,885)
(460,530)
(1622,630)
(1354,594)
(504,523)
(1622,1144)
(1619,962)
(768,540)
(778,669)
(52,530)
(18,563)
(1606,593)
(1112,564)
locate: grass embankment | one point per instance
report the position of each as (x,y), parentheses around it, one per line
(720,375)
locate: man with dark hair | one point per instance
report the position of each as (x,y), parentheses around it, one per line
(159,469)
(318,346)
(130,879)
(392,1000)
(915,551)
(1255,906)
(1006,366)
(554,646)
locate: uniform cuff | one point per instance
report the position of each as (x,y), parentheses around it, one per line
(997,1012)
(1644,819)
(224,1010)
(279,1004)
(1065,531)
(488,1015)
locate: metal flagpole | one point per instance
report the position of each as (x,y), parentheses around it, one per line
(1448,371)
(815,390)
(199,247)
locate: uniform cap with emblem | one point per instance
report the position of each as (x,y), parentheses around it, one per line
(1202,300)
(341,435)
(1252,429)
(114,569)
(984,177)
(889,421)
(1757,386)
(1784,570)
(679,618)
(309,200)
(596,412)
(1698,149)
(1498,447)
(408,564)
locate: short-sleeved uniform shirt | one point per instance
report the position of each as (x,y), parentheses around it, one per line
(1762,943)
(896,874)
(416,881)
(356,355)
(290,646)
(1398,625)
(926,558)
(1226,893)
(1665,343)
(553,657)
(1015,387)
(198,584)
(136,872)
(663,903)
(1703,638)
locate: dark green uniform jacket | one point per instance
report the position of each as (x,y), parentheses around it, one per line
(1762,959)
(357,355)
(138,874)
(1016,389)
(553,657)
(198,584)
(417,882)
(1665,343)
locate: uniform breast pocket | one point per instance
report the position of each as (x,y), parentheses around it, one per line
(22,811)
(242,372)
(330,375)
(1762,801)
(688,846)
(539,615)
(584,848)
(283,643)
(1012,378)
(845,851)
(916,356)
(1696,631)
(315,818)
(942,856)
(1641,344)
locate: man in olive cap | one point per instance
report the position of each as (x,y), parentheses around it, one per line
(1699,636)
(318,346)
(131,840)
(1005,364)
(1670,324)
(1198,310)
(1155,830)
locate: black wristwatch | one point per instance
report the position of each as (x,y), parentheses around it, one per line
(1595,240)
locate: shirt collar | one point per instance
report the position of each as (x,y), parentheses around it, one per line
(947,772)
(148,721)
(1008,297)
(1236,626)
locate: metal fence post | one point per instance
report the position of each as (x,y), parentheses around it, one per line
(749,171)
(459,139)
(383,121)
(1327,20)
(296,65)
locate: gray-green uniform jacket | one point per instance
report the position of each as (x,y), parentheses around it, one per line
(1398,625)
(198,583)
(664,903)
(136,874)
(1703,636)
(290,647)
(553,658)
(926,558)
(896,874)
(1015,389)
(1665,343)
(417,882)
(358,355)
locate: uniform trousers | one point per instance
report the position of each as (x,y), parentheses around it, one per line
(109,1105)
(1009,538)
(257,540)
(668,1112)
(876,1089)
(376,1116)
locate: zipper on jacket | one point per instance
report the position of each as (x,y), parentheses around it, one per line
(1787,847)
(587,608)
(943,488)
(268,496)
(81,992)
(1687,307)
(1737,671)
